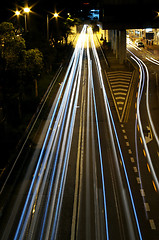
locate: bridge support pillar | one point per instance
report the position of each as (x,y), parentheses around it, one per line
(122,46)
(109,35)
(118,44)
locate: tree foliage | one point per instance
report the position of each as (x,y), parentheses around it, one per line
(17,65)
(34,62)
(11,47)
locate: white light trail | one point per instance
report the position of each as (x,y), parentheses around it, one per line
(110,119)
(153,60)
(142,78)
(53,135)
(98,135)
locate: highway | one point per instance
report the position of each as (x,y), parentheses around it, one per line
(94,170)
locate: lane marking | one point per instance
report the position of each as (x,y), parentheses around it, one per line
(132,159)
(144,152)
(135,169)
(147,207)
(123,130)
(138,180)
(115,85)
(142,192)
(120,103)
(120,89)
(154,186)
(120,98)
(129,151)
(148,167)
(141,140)
(120,93)
(152,224)
(125,137)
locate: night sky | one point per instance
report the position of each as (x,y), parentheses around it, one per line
(42,6)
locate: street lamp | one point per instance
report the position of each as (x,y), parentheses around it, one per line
(17,13)
(26,11)
(55,15)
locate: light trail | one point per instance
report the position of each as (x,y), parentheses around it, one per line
(58,148)
(147,95)
(69,140)
(153,60)
(88,209)
(101,162)
(99,142)
(110,119)
(141,64)
(136,146)
(49,141)
(148,106)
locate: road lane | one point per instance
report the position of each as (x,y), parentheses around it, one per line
(144,172)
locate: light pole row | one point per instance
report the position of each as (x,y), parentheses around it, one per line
(26,12)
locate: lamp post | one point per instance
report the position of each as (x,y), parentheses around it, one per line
(17,13)
(55,15)
(47,27)
(26,11)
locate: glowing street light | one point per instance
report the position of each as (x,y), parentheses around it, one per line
(26,10)
(56,15)
(17,13)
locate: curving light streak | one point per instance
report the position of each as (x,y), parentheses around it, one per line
(134,46)
(148,107)
(147,97)
(109,115)
(136,146)
(141,64)
(153,60)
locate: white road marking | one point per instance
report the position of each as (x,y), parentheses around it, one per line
(152,224)
(138,180)
(132,159)
(142,192)
(135,169)
(147,207)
